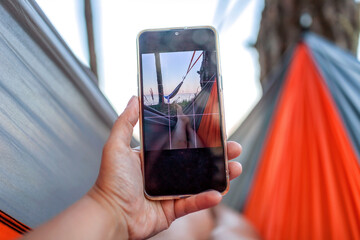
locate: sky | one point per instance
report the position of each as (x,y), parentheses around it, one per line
(173,68)
(117,24)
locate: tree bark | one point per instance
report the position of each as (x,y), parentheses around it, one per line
(280,28)
(208,67)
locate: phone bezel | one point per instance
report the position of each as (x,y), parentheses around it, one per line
(221,105)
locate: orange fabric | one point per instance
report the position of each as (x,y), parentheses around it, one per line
(7,233)
(209,128)
(11,228)
(307,185)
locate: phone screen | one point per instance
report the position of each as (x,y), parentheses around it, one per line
(182,130)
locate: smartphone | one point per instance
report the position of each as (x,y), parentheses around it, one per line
(182,130)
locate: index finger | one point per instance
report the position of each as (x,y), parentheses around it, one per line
(234,149)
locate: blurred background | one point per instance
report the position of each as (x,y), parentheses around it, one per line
(117,23)
(291,77)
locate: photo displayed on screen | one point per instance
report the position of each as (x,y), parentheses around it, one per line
(180,98)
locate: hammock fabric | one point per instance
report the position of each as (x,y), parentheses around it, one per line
(176,90)
(11,228)
(209,127)
(301,175)
(206,107)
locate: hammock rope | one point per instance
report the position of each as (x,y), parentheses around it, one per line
(191,65)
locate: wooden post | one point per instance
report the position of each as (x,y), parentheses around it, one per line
(159,78)
(90,37)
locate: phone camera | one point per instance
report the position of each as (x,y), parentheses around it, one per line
(176,33)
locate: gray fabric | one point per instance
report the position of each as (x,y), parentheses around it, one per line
(252,135)
(53,120)
(156,124)
(341,71)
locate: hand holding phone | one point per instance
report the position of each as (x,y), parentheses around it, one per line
(181,113)
(116,207)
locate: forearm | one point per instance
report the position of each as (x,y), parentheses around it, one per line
(86,219)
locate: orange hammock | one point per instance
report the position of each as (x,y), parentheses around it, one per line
(11,228)
(308,181)
(209,128)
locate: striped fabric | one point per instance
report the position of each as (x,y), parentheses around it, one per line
(54,121)
(10,228)
(301,175)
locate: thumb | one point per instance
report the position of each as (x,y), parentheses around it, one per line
(123,126)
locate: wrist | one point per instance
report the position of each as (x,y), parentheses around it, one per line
(114,217)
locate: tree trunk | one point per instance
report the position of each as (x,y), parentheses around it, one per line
(336,20)
(208,68)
